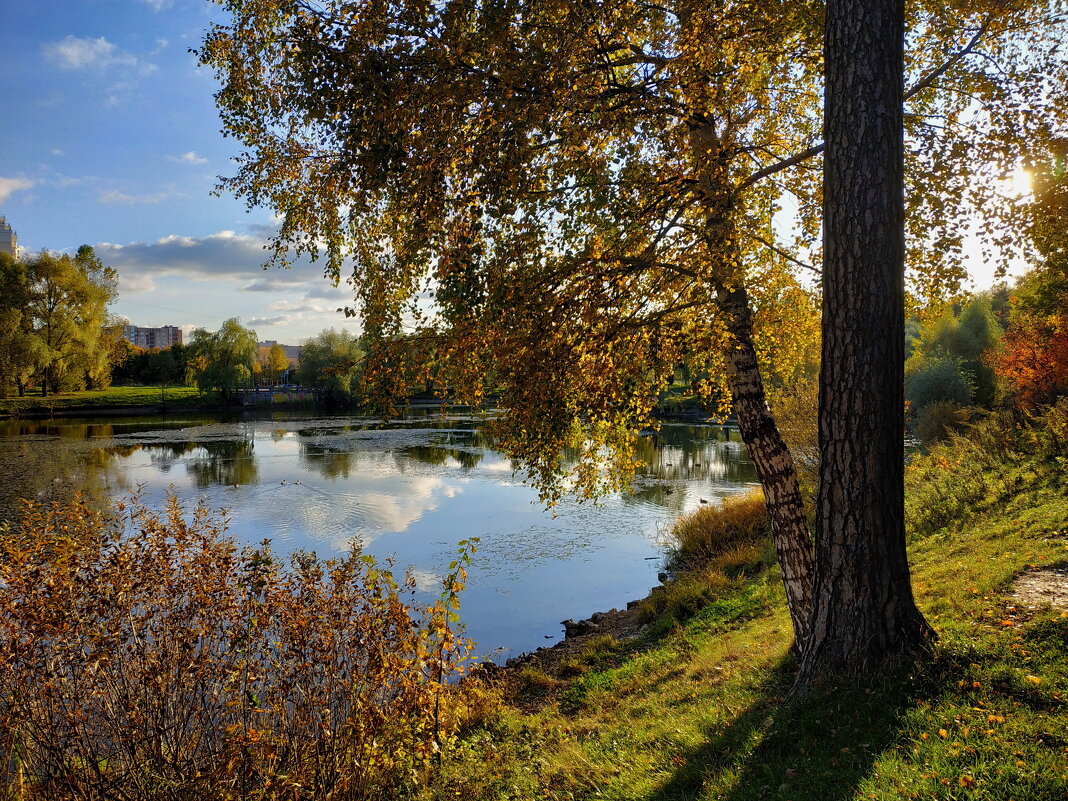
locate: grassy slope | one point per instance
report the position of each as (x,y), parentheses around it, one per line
(116,396)
(699,714)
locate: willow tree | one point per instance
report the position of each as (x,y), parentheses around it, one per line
(578,197)
(223,361)
(65,318)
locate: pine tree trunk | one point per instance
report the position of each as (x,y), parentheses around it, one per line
(864,605)
(772,459)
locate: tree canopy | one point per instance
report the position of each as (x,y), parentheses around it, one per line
(57,329)
(579,197)
(332,360)
(559,189)
(223,360)
(1032,363)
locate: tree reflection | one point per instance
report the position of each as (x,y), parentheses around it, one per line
(164,455)
(329,463)
(225,462)
(439,455)
(53,469)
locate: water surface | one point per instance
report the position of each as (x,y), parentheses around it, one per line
(408,489)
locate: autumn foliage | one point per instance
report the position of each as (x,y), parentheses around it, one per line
(1033,359)
(143,655)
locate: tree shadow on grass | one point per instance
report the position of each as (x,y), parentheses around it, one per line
(818,747)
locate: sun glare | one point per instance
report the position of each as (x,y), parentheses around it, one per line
(1020,182)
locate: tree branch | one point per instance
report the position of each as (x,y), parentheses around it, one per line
(924,82)
(785,254)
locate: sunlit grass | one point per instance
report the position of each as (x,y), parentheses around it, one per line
(699,714)
(115,396)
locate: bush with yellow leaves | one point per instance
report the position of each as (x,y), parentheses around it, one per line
(143,655)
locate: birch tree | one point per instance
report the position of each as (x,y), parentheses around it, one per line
(579,197)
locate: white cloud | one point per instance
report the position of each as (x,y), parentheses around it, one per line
(228,267)
(11,185)
(115,196)
(158,5)
(297,306)
(135,284)
(225,254)
(57,152)
(268,321)
(188,158)
(73,53)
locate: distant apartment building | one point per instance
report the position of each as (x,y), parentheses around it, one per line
(150,338)
(8,242)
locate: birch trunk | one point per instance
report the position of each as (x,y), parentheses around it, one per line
(772,459)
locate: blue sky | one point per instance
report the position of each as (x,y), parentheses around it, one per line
(111,138)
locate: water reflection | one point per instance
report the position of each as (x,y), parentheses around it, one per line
(51,465)
(437,455)
(229,463)
(327,462)
(410,489)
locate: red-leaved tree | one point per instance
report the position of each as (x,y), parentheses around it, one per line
(1032,362)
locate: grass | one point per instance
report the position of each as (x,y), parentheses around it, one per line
(698,712)
(115,396)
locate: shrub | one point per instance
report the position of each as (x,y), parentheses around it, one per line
(712,550)
(933,379)
(710,531)
(1032,363)
(143,655)
(936,421)
(955,477)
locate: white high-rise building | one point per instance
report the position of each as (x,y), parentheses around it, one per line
(8,242)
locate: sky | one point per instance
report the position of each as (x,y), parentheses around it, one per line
(111,138)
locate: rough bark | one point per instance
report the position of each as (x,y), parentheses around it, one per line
(864,606)
(772,459)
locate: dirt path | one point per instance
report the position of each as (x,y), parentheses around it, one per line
(1045,585)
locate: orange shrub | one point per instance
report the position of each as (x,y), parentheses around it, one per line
(1033,360)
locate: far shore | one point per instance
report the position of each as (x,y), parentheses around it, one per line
(143,401)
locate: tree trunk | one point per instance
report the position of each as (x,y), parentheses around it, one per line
(864,605)
(772,459)
(767,449)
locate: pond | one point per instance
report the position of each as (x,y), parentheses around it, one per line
(410,489)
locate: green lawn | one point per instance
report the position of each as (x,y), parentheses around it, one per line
(116,396)
(699,713)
